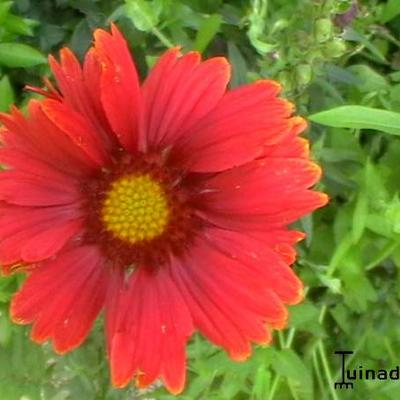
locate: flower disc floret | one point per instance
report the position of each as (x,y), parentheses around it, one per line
(136,209)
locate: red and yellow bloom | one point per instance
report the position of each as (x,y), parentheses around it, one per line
(164,204)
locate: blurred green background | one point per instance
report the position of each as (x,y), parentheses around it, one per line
(326,54)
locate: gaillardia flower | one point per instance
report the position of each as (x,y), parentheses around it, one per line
(164,204)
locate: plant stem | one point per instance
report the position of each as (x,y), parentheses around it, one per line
(274,387)
(326,369)
(317,369)
(163,39)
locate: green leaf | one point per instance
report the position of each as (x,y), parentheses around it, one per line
(352,35)
(357,289)
(375,186)
(142,14)
(359,216)
(304,317)
(379,225)
(239,65)
(383,254)
(288,364)
(6,94)
(340,251)
(5,328)
(4,9)
(359,117)
(19,26)
(208,29)
(16,55)
(368,80)
(390,10)
(262,383)
(303,314)
(342,316)
(334,284)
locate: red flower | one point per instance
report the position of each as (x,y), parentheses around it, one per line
(165,205)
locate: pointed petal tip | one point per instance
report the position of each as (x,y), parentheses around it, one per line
(175,51)
(16,320)
(114,27)
(99,35)
(62,350)
(267,341)
(53,63)
(175,390)
(4,117)
(114,34)
(305,148)
(7,117)
(220,60)
(39,341)
(324,199)
(119,382)
(299,124)
(315,170)
(241,356)
(299,236)
(13,313)
(224,65)
(288,106)
(100,32)
(269,83)
(66,53)
(300,296)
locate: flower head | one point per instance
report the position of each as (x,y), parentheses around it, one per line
(164,204)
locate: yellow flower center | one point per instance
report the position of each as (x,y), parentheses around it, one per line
(135,208)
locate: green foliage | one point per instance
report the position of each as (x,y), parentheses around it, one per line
(346,77)
(359,117)
(207,30)
(6,93)
(16,55)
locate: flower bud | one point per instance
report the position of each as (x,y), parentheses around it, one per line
(284,77)
(303,74)
(314,55)
(335,48)
(323,30)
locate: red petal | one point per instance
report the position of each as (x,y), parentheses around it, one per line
(63,298)
(178,93)
(148,325)
(31,190)
(268,191)
(290,146)
(279,215)
(77,128)
(92,71)
(281,241)
(228,301)
(253,251)
(13,218)
(81,90)
(120,343)
(34,244)
(120,94)
(236,130)
(49,242)
(261,181)
(40,139)
(10,247)
(47,229)
(24,162)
